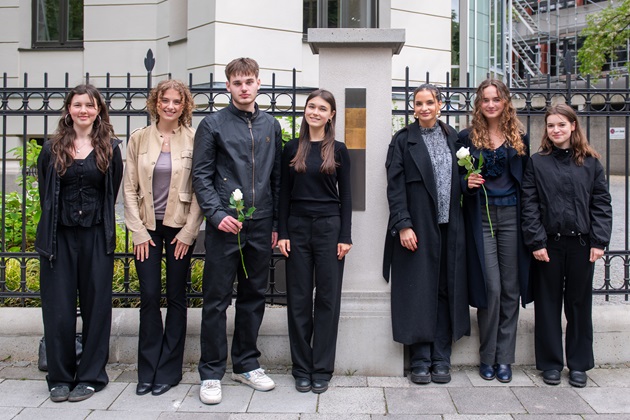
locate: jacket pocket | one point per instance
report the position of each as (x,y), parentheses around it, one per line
(186,157)
(141,210)
(185,198)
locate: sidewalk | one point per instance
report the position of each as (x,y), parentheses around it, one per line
(24,395)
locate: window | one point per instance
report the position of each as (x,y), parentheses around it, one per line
(340,14)
(57,23)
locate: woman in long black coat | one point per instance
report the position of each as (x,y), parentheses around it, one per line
(425,245)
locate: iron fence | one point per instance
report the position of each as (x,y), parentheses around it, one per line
(26,113)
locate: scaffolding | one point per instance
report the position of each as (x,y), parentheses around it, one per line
(543,38)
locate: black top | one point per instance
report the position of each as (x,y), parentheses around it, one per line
(82,192)
(313,193)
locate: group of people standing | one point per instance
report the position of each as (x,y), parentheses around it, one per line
(453,240)
(461,236)
(299,199)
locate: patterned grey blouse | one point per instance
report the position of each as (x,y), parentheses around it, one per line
(441,160)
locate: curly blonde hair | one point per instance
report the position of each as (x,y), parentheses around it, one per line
(509,124)
(188,103)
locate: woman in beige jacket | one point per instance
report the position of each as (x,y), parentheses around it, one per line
(162,213)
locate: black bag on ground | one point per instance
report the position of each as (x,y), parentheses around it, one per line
(42,362)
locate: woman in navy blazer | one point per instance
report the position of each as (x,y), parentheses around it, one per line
(496,256)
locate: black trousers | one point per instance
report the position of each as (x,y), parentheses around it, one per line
(313,330)
(568,277)
(82,265)
(222,266)
(161,347)
(437,352)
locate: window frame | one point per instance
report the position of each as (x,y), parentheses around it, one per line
(64,23)
(321,14)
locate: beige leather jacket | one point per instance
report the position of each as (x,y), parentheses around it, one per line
(182,210)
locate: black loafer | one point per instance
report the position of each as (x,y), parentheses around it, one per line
(420,375)
(159,389)
(486,371)
(577,378)
(551,377)
(504,373)
(143,388)
(303,384)
(319,385)
(441,374)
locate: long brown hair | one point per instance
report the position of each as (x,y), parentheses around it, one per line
(578,140)
(187,100)
(62,145)
(328,143)
(510,125)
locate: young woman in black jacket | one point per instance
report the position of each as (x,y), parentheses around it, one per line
(79,173)
(567,223)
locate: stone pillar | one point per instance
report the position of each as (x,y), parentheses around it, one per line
(356,66)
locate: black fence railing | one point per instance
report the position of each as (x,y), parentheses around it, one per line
(31,112)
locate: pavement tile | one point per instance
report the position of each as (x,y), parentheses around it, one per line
(101,400)
(121,415)
(235,399)
(14,393)
(52,414)
(552,400)
(352,401)
(519,378)
(283,380)
(407,417)
(28,372)
(193,416)
(547,417)
(349,381)
(283,400)
(419,400)
(614,378)
(7,413)
(607,400)
(169,401)
(190,378)
(113,374)
(478,417)
(266,416)
(389,382)
(606,417)
(312,416)
(130,376)
(489,400)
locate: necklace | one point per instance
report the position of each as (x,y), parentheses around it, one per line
(166,137)
(77,150)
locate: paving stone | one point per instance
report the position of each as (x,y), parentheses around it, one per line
(190,378)
(235,399)
(169,401)
(130,376)
(311,416)
(352,401)
(552,400)
(606,417)
(14,393)
(283,400)
(21,373)
(407,417)
(8,413)
(547,417)
(265,416)
(478,417)
(419,400)
(489,400)
(52,414)
(349,381)
(607,400)
(614,378)
(283,380)
(389,382)
(123,415)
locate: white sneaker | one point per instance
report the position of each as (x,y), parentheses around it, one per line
(210,391)
(257,379)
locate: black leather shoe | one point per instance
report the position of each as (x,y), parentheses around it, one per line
(143,388)
(303,384)
(159,389)
(420,375)
(504,373)
(441,374)
(577,378)
(319,385)
(486,372)
(551,377)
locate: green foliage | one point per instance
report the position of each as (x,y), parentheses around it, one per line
(606,32)
(287,126)
(14,200)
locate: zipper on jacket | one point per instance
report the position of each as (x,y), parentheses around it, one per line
(251,133)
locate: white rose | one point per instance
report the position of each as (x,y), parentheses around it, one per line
(462,152)
(237,194)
